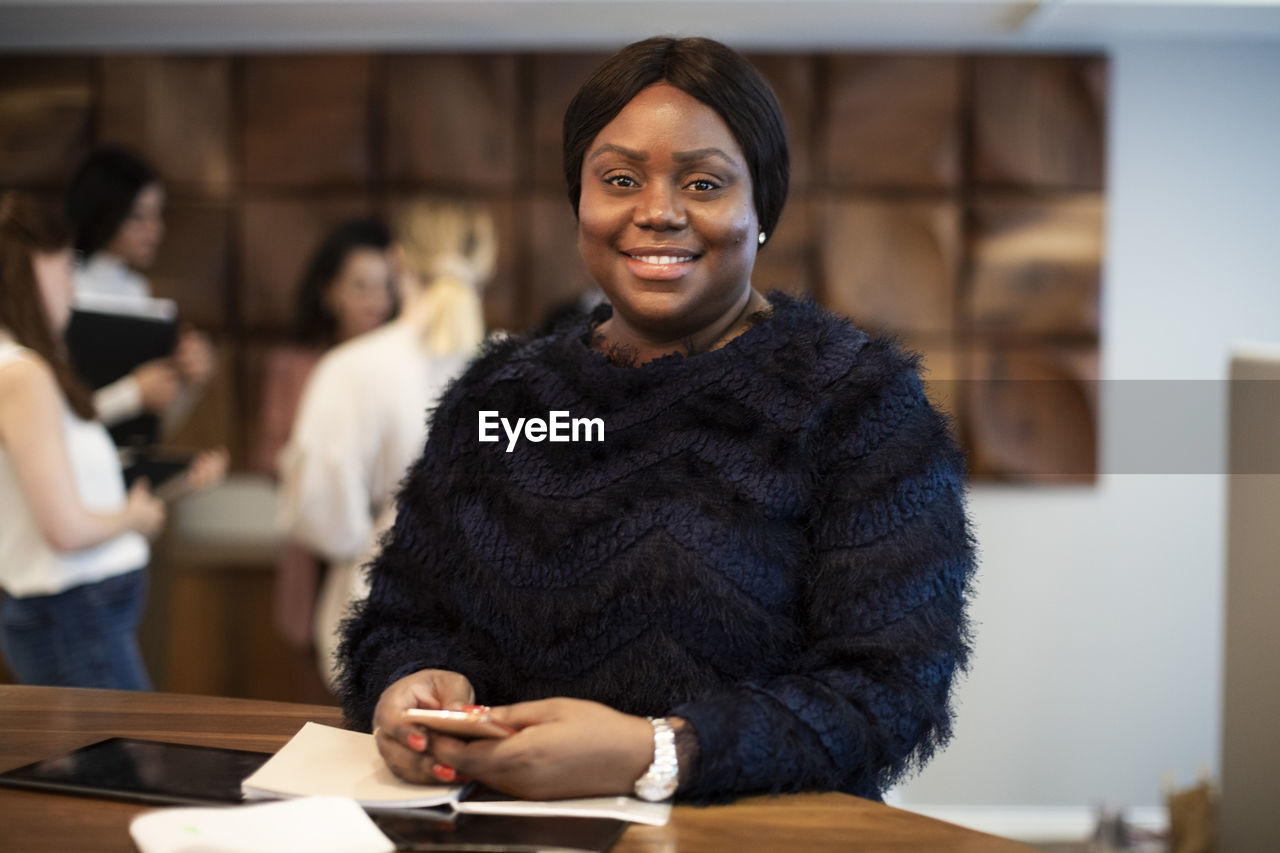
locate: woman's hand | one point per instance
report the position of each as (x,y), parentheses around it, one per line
(158,383)
(207,470)
(193,356)
(563,748)
(406,747)
(144,511)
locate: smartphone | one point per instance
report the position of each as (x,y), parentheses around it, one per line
(472,722)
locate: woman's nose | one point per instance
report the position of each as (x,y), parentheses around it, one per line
(661,209)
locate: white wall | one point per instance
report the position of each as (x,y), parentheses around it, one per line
(1099,610)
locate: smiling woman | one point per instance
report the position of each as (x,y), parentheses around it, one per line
(756,581)
(668,228)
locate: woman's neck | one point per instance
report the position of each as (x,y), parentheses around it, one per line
(616,333)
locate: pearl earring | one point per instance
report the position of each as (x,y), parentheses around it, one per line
(761,238)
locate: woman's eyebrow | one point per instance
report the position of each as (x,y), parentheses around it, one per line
(609,147)
(702,153)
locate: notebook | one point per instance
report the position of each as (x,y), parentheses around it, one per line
(325,761)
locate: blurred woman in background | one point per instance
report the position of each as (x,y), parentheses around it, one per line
(116,206)
(346,290)
(363,416)
(73,544)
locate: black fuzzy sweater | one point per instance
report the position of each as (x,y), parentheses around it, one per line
(770,542)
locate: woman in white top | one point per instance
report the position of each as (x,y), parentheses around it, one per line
(363,416)
(73,544)
(116,206)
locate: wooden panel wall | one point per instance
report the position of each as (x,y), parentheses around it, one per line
(955,201)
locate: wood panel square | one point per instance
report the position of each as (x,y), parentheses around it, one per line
(277,239)
(502,294)
(893,122)
(175,111)
(216,418)
(892,265)
(46,109)
(1030,412)
(193,266)
(941,368)
(1039,121)
(1036,266)
(793,80)
(556,79)
(307,120)
(785,262)
(452,120)
(559,277)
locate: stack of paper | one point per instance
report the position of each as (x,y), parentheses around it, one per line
(324,761)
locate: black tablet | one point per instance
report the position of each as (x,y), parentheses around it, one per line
(142,771)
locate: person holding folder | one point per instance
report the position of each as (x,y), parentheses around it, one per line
(73,542)
(115,202)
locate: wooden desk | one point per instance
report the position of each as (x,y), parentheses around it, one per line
(36,722)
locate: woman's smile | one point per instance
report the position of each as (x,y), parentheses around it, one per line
(660,263)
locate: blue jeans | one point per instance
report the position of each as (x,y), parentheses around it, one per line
(85,636)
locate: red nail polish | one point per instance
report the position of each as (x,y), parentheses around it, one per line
(444,772)
(417,741)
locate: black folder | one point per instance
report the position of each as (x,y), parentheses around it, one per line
(107,339)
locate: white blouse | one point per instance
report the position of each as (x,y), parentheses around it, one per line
(361,423)
(29,565)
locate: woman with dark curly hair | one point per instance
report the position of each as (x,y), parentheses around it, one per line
(346,290)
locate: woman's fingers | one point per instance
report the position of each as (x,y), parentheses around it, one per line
(524,714)
(406,763)
(408,747)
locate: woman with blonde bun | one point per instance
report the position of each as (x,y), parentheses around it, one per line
(363,416)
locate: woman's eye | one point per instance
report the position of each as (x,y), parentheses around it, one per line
(702,185)
(620,181)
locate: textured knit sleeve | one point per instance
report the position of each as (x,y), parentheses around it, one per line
(882,612)
(406,624)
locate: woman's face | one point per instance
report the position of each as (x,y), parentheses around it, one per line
(53,275)
(666,221)
(360,297)
(142,231)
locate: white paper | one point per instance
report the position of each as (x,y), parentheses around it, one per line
(306,825)
(325,761)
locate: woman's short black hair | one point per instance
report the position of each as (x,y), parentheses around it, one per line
(313,322)
(707,70)
(102,193)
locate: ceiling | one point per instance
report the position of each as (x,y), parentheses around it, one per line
(247,25)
